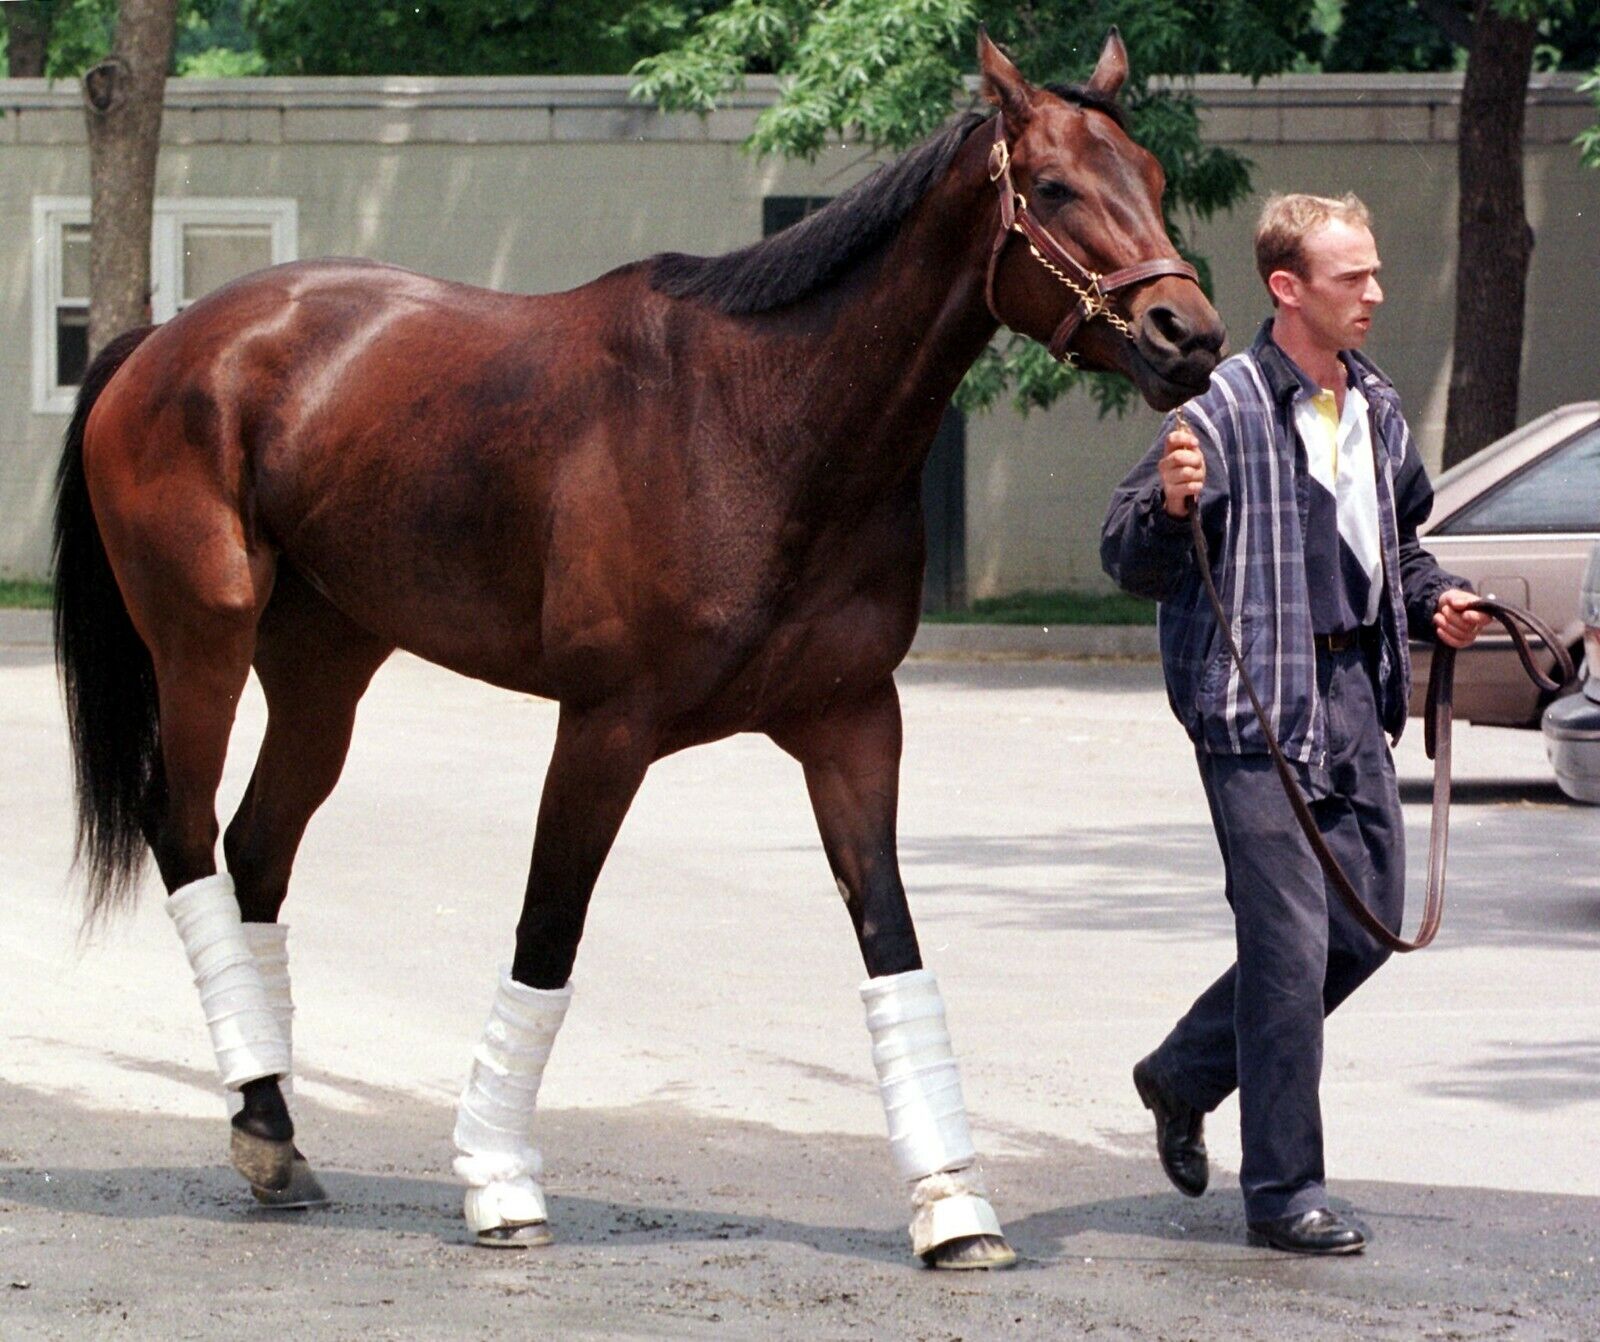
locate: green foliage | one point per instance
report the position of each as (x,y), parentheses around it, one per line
(213,42)
(463,37)
(889,72)
(1389,35)
(211,38)
(81,32)
(1588,141)
(220,63)
(1405,35)
(25,594)
(888,69)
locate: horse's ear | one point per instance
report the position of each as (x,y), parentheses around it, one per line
(1111,70)
(1003,84)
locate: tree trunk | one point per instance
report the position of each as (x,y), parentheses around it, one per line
(122,95)
(27,38)
(1495,240)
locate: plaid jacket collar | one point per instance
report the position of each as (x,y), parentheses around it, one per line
(1286,380)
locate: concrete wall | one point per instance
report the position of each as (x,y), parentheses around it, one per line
(536,184)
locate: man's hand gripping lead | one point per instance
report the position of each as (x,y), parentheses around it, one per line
(1183,468)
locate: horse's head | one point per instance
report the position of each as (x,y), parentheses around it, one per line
(1086,201)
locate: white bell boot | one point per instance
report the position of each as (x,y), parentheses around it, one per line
(269,944)
(505,1206)
(920,1086)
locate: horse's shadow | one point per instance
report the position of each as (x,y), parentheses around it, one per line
(404,1204)
(395,1204)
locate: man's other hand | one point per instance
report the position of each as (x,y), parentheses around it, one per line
(1453,622)
(1183,472)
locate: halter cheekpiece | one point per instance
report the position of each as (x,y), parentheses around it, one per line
(1093,291)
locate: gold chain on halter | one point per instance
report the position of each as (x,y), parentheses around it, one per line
(1095,303)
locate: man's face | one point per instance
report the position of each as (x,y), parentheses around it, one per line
(1339,291)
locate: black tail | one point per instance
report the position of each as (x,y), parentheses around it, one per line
(106,673)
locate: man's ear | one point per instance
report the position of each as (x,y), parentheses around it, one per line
(1284,285)
(1111,70)
(1003,84)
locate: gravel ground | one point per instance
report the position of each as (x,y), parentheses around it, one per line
(669,1225)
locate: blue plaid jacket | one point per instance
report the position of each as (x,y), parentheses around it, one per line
(1253,511)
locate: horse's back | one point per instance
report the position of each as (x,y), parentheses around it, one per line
(407,443)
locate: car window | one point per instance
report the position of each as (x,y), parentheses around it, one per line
(1560,492)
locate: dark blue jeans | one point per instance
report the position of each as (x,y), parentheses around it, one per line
(1300,954)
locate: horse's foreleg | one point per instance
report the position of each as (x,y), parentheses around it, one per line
(851,756)
(314,666)
(596,768)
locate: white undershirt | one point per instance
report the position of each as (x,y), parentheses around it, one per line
(1340,458)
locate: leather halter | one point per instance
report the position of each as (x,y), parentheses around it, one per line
(1093,290)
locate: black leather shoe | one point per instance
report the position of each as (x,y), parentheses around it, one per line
(1320,1231)
(1180,1132)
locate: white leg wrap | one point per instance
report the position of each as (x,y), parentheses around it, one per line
(269,944)
(921,1089)
(494,1123)
(245,1032)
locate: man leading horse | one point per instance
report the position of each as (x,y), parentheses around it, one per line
(1310,491)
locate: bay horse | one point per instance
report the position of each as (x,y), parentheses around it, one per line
(682,500)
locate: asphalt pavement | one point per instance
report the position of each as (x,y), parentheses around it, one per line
(713,1140)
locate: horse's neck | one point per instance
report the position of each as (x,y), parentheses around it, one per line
(915,319)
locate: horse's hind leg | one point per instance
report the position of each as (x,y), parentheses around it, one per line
(599,760)
(851,757)
(314,666)
(195,592)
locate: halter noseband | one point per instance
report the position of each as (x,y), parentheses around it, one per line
(1093,291)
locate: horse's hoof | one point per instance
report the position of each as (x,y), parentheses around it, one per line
(304,1190)
(970,1253)
(528,1235)
(265,1164)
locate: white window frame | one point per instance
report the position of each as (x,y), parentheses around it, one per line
(51,213)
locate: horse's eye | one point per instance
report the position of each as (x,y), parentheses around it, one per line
(1056,193)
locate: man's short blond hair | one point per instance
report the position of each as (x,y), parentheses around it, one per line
(1288,220)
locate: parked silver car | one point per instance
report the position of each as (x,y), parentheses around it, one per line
(1518,521)
(1572,725)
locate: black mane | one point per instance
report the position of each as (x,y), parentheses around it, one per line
(1087,97)
(805,256)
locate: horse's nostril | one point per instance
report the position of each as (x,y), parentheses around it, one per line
(1167,326)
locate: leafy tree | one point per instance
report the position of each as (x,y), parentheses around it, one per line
(26,34)
(63,38)
(52,38)
(1589,140)
(1385,35)
(891,70)
(463,37)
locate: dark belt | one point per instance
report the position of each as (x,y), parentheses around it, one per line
(1342,641)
